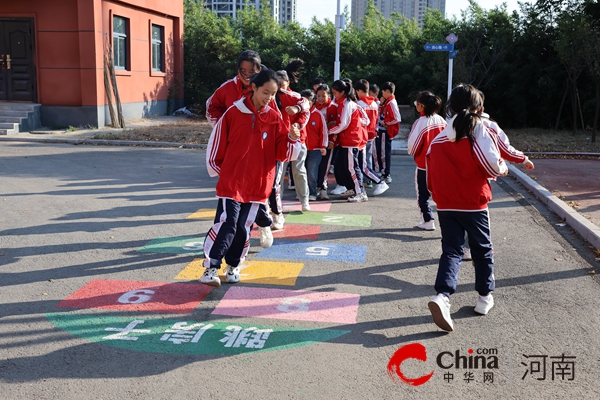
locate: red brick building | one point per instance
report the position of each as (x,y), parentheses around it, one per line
(52,54)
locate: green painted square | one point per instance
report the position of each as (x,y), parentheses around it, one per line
(315,218)
(175,245)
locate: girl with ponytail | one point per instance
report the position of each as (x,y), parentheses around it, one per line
(459,163)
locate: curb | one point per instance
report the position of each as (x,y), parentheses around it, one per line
(574,219)
(104,142)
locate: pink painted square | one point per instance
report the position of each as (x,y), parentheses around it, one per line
(294,232)
(289,206)
(295,305)
(161,297)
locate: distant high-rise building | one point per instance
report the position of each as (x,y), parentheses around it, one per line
(281,10)
(411,9)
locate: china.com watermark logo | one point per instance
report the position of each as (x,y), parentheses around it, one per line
(478,359)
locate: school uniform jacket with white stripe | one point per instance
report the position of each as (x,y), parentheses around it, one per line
(423,131)
(458,171)
(223,98)
(508,152)
(243,148)
(316,131)
(371,108)
(352,125)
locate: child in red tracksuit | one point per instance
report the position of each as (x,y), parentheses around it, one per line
(248,65)
(389,126)
(460,161)
(423,131)
(369,105)
(352,136)
(317,140)
(243,148)
(323,105)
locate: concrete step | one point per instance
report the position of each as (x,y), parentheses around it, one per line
(14,113)
(8,125)
(17,106)
(16,120)
(8,131)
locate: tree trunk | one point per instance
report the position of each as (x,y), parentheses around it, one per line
(580,110)
(560,109)
(574,106)
(595,125)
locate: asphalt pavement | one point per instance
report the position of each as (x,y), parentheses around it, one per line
(99,298)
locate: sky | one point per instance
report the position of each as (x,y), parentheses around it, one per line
(327,8)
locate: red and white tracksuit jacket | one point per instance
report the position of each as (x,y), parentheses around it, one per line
(458,171)
(508,152)
(352,125)
(323,108)
(316,131)
(369,104)
(423,131)
(243,148)
(223,98)
(391,116)
(290,98)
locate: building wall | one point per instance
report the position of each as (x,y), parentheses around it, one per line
(70,36)
(411,9)
(281,10)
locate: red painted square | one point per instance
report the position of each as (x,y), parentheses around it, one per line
(180,298)
(293,231)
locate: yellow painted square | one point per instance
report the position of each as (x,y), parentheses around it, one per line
(265,272)
(203,213)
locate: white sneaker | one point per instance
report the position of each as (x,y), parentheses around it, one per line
(323,195)
(484,304)
(278,221)
(440,311)
(387,179)
(211,277)
(266,237)
(312,198)
(428,226)
(348,193)
(305,206)
(338,190)
(331,169)
(380,188)
(232,274)
(359,198)
(467,254)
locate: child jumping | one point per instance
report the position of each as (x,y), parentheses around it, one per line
(423,131)
(460,161)
(243,148)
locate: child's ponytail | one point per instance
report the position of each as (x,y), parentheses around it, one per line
(466,103)
(345,86)
(431,103)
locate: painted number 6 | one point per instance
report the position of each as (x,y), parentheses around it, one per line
(317,251)
(293,304)
(137,296)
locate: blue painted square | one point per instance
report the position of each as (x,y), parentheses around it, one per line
(315,251)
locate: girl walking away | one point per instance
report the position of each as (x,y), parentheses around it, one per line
(389,126)
(317,140)
(323,105)
(352,136)
(423,131)
(242,151)
(248,65)
(460,161)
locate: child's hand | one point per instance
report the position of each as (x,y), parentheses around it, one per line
(295,132)
(528,164)
(291,110)
(323,152)
(330,145)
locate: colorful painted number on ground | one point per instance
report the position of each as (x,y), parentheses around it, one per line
(298,305)
(180,298)
(315,251)
(177,336)
(262,272)
(175,245)
(203,213)
(328,219)
(293,232)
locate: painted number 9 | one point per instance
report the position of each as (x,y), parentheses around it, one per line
(293,304)
(317,251)
(137,296)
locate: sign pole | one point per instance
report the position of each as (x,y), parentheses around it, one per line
(450,64)
(338,23)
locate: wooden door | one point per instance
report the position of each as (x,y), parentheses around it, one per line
(17,73)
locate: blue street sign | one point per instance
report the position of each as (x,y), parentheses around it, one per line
(439,47)
(452,54)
